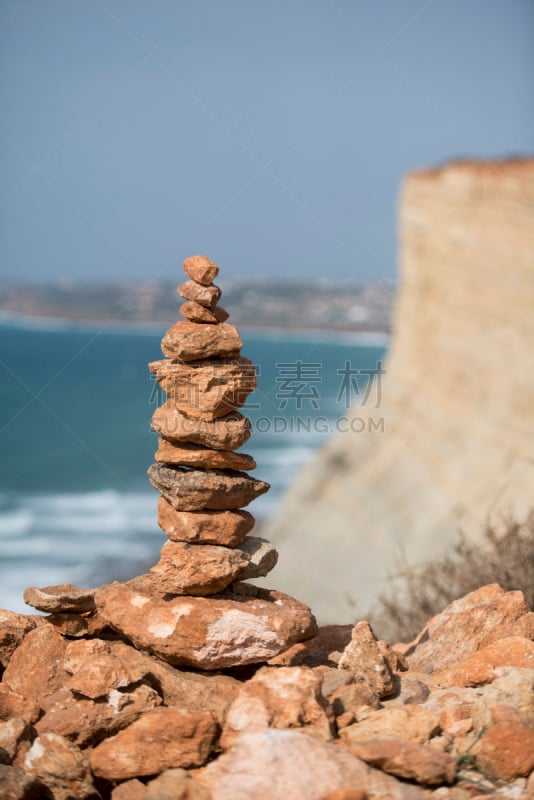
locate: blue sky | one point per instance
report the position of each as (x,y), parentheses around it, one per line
(271,136)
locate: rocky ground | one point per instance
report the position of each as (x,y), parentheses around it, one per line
(86,714)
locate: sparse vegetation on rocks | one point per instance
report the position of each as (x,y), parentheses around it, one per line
(419,591)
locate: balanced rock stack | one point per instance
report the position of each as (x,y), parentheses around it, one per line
(192,609)
(195,618)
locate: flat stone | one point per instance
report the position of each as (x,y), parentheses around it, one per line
(261,555)
(159,740)
(227,528)
(409,760)
(201,269)
(289,765)
(412,722)
(227,630)
(208,388)
(63,597)
(194,312)
(195,489)
(206,296)
(189,341)
(482,666)
(224,433)
(188,454)
(194,569)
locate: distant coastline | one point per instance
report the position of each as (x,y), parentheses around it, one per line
(10,319)
(320,308)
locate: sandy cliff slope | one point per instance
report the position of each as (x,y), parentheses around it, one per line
(457,399)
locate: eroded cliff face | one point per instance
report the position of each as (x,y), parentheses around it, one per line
(457,399)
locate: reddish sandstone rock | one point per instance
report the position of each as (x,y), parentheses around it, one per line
(17,785)
(289,765)
(194,312)
(188,454)
(196,691)
(207,388)
(413,722)
(86,722)
(36,667)
(227,528)
(201,269)
(279,697)
(160,739)
(408,760)
(206,296)
(13,629)
(191,342)
(506,750)
(210,633)
(133,789)
(61,766)
(97,667)
(223,433)
(465,626)
(64,597)
(480,667)
(77,625)
(196,490)
(15,705)
(363,659)
(193,569)
(176,784)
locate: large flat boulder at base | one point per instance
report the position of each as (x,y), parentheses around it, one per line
(225,630)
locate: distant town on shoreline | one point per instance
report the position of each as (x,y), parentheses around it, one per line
(268,303)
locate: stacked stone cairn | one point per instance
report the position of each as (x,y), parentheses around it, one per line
(193,608)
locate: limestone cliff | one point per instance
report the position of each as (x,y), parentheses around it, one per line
(458,398)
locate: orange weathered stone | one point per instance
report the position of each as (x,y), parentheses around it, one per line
(201,269)
(228,528)
(223,433)
(160,739)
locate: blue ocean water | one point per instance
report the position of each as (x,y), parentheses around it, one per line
(75,408)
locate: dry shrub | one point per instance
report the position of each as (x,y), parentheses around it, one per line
(419,592)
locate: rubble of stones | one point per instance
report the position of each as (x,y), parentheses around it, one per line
(84,713)
(188,683)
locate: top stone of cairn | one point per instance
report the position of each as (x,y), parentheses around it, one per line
(201,269)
